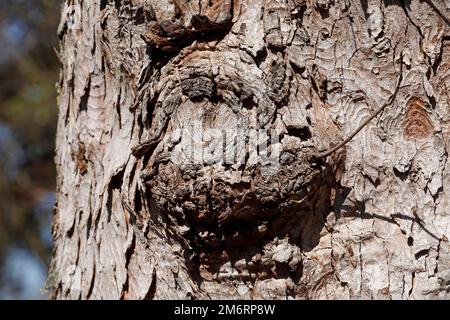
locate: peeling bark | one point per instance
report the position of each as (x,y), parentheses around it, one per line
(141,214)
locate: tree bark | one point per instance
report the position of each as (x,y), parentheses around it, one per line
(162,194)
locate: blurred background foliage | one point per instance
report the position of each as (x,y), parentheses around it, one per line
(28,112)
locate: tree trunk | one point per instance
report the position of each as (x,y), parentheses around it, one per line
(192,139)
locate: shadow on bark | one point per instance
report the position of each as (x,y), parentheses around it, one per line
(359,210)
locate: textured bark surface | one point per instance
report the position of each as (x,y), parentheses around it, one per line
(137,218)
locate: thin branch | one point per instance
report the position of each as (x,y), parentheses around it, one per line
(438,12)
(366,122)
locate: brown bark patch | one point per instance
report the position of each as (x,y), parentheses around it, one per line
(417,123)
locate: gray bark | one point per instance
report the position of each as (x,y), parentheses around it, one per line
(141,214)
